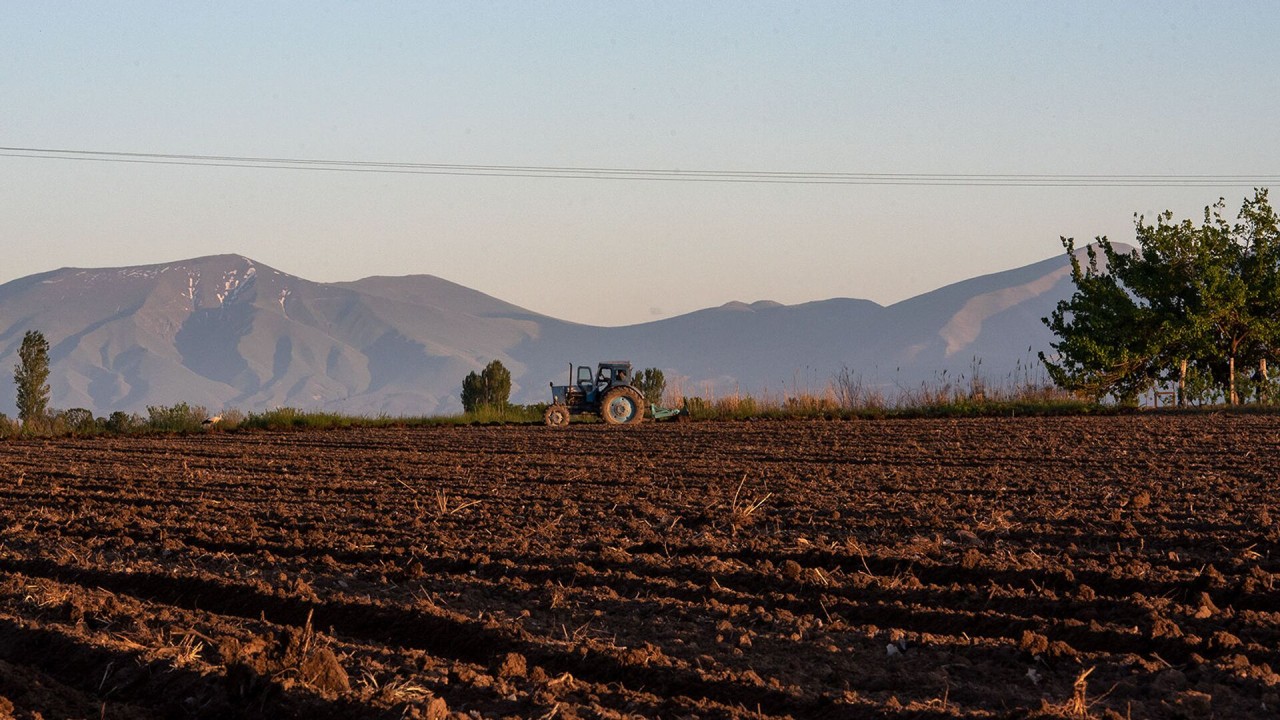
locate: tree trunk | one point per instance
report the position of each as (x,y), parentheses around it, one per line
(1262,384)
(1231,378)
(1182,384)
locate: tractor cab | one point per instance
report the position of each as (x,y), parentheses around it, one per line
(589,384)
(612,374)
(585,381)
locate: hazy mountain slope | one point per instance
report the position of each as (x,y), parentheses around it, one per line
(766,347)
(224,331)
(431,291)
(994,317)
(757,347)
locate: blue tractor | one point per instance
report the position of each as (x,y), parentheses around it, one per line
(608,392)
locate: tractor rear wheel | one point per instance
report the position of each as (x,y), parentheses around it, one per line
(622,406)
(556,416)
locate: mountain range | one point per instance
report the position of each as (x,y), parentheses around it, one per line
(225,331)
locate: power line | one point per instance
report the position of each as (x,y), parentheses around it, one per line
(639,174)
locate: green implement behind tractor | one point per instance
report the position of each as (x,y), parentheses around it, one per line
(608,392)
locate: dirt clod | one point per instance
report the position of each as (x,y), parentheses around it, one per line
(513,666)
(1034,643)
(437,709)
(322,671)
(1191,705)
(1169,681)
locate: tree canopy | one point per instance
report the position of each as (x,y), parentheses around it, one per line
(1191,298)
(652,383)
(490,387)
(31,375)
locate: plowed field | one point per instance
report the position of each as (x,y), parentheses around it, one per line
(1103,567)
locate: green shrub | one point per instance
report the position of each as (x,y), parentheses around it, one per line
(281,417)
(288,417)
(175,418)
(232,419)
(505,413)
(78,420)
(123,422)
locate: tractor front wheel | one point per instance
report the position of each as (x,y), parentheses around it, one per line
(556,416)
(622,406)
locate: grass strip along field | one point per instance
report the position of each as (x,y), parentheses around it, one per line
(1103,567)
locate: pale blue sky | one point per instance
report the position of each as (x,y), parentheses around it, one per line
(893,87)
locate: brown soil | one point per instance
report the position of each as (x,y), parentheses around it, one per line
(1104,567)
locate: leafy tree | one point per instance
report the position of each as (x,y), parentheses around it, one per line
(1202,298)
(78,420)
(652,384)
(31,375)
(1103,347)
(1259,233)
(472,392)
(490,388)
(122,422)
